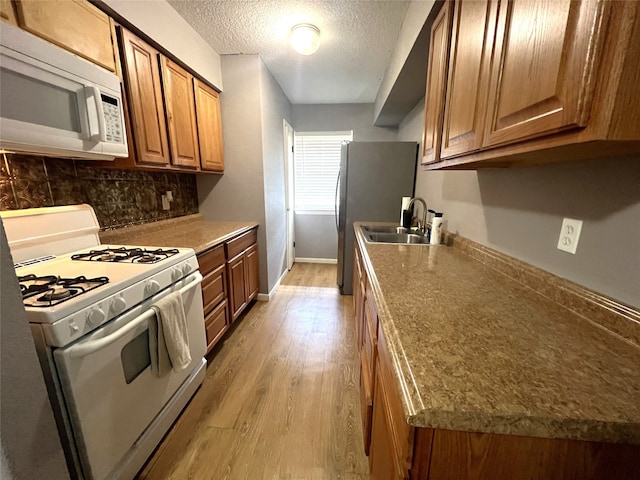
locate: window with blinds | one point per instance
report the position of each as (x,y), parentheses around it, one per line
(316,167)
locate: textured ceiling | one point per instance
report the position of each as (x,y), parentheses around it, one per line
(357,38)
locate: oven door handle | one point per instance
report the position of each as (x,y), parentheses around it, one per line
(91,346)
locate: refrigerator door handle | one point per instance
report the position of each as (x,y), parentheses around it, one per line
(335,202)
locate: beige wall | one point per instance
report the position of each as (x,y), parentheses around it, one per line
(340,117)
(519,211)
(412,24)
(275,108)
(252,187)
(239,193)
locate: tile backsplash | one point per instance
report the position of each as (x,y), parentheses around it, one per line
(119,197)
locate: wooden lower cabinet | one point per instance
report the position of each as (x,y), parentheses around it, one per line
(243,271)
(229,283)
(398,451)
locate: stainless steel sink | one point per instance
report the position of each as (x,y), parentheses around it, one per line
(383,229)
(406,238)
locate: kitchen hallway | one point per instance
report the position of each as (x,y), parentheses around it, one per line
(281,395)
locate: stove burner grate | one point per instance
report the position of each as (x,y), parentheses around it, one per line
(49,290)
(126,255)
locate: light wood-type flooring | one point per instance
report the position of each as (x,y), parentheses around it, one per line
(281,395)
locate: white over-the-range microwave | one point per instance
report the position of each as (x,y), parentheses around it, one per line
(55,103)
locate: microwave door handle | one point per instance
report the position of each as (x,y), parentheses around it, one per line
(97,128)
(91,346)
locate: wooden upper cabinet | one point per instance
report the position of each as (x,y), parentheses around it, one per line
(181,114)
(142,82)
(7,14)
(74,25)
(542,74)
(209,127)
(436,82)
(468,74)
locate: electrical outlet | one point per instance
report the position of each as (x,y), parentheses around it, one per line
(165,203)
(569,235)
(170,195)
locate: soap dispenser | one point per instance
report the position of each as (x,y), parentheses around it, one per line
(436,229)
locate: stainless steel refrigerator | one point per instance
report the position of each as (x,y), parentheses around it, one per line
(373,178)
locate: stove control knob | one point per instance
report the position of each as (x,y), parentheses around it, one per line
(186,269)
(118,305)
(95,317)
(176,274)
(152,287)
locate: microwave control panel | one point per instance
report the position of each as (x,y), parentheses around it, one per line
(112,119)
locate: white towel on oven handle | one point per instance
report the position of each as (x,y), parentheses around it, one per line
(172,338)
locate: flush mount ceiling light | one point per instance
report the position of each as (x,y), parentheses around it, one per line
(305,38)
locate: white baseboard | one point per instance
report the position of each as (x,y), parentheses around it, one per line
(265,297)
(333,261)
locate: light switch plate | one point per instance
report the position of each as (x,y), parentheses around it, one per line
(165,203)
(569,235)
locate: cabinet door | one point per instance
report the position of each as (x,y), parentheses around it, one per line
(181,114)
(7,13)
(237,283)
(469,61)
(366,407)
(253,272)
(74,25)
(544,59)
(436,82)
(382,458)
(209,127)
(142,79)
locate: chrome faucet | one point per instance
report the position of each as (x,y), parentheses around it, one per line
(422,227)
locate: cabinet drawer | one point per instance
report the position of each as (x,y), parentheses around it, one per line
(241,243)
(216,324)
(402,434)
(211,259)
(214,288)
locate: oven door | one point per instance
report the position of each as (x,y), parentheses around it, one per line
(106,378)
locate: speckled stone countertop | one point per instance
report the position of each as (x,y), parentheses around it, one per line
(191,231)
(475,350)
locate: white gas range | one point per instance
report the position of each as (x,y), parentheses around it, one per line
(89,306)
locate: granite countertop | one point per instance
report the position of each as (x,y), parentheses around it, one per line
(191,231)
(475,350)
